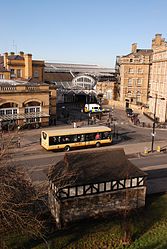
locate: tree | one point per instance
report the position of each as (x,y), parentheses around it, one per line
(20,201)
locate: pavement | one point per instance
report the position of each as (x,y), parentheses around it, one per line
(144,119)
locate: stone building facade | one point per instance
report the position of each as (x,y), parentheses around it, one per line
(25,103)
(21,67)
(86,185)
(107,89)
(134,69)
(158,81)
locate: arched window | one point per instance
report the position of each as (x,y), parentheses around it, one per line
(9,108)
(32,107)
(84,81)
(32,103)
(9,105)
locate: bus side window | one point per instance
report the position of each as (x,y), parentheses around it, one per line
(59,140)
(97,137)
(54,140)
(65,139)
(74,138)
(106,135)
(90,136)
(82,138)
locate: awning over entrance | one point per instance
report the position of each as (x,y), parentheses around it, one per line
(23,116)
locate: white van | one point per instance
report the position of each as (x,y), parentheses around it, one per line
(92,108)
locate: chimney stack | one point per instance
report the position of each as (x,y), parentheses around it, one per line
(5,59)
(158,41)
(21,53)
(134,48)
(28,65)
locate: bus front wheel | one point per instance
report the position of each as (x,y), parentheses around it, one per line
(67,148)
(98,145)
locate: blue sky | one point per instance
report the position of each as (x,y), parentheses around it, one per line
(80,31)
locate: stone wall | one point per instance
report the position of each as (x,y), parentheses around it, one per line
(96,205)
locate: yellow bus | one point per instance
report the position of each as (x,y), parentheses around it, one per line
(67,139)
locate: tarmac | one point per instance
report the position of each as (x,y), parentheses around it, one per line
(140,149)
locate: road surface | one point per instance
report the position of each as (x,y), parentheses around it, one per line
(37,165)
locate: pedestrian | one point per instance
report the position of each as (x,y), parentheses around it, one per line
(97,137)
(108,122)
(117,134)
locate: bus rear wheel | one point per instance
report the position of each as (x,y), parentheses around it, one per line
(67,148)
(98,145)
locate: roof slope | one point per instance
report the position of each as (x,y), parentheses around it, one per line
(139,52)
(93,167)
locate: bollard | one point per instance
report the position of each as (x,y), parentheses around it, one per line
(158,148)
(145,150)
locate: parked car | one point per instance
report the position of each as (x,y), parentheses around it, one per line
(129,112)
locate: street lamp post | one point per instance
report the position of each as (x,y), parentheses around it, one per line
(89,118)
(153,131)
(154,121)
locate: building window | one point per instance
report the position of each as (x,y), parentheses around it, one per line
(140,70)
(138,96)
(72,192)
(36,74)
(8,111)
(2,112)
(101,187)
(141,182)
(138,93)
(80,190)
(129,82)
(33,120)
(139,82)
(14,111)
(128,183)
(108,186)
(130,70)
(32,109)
(131,60)
(1,76)
(134,182)
(129,93)
(12,73)
(19,73)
